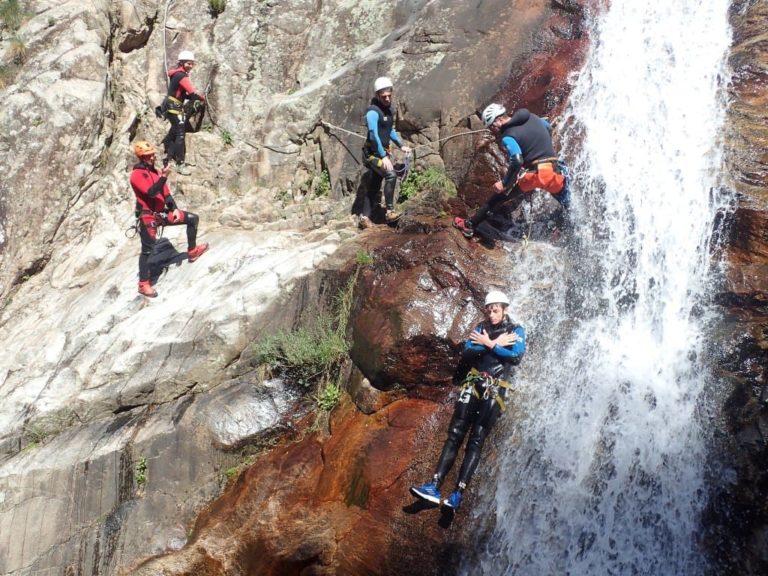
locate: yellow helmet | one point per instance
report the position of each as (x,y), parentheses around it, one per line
(142,148)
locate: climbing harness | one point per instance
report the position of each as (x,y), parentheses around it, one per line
(490,386)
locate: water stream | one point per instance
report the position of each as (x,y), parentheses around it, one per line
(602,465)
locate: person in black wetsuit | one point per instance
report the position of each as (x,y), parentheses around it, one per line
(380,122)
(180,89)
(493,349)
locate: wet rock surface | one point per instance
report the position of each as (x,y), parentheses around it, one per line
(738,513)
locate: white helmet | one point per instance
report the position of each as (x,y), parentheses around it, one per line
(492,112)
(186,56)
(382,83)
(496,297)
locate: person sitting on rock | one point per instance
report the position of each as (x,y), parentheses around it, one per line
(380,121)
(494,348)
(155,207)
(533,164)
(180,88)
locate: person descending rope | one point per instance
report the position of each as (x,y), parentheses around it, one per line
(155,208)
(180,89)
(533,164)
(380,121)
(494,348)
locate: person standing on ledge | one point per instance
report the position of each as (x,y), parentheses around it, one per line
(180,89)
(380,121)
(155,208)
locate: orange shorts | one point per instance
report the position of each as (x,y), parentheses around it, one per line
(544,177)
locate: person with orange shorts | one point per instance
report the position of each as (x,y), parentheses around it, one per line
(533,164)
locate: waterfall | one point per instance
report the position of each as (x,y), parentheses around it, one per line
(601,465)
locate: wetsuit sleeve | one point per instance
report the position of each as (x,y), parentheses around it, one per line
(170,203)
(472,350)
(395,138)
(141,185)
(372,120)
(515,155)
(187,86)
(157,188)
(516,350)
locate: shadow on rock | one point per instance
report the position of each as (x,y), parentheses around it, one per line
(163,257)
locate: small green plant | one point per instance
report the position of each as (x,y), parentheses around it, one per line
(11,14)
(363,258)
(37,432)
(323,185)
(328,396)
(421,181)
(216,7)
(226,137)
(140,472)
(283,196)
(51,21)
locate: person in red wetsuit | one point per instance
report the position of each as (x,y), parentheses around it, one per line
(156,207)
(180,88)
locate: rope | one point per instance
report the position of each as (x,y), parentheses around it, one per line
(165,47)
(355,134)
(403,172)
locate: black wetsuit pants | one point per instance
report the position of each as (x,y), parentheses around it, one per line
(174,142)
(148,233)
(474,414)
(372,197)
(496,200)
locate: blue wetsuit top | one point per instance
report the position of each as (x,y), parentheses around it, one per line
(372,120)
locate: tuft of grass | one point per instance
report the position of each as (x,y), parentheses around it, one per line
(363,259)
(418,182)
(17,50)
(306,354)
(11,14)
(140,472)
(216,7)
(312,356)
(226,137)
(323,185)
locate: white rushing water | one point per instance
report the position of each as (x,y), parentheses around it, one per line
(605,470)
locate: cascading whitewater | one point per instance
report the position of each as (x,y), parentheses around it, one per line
(606,471)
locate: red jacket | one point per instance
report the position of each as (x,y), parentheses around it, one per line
(151,190)
(180,86)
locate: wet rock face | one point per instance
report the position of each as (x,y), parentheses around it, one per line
(738,513)
(326,505)
(419,301)
(538,82)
